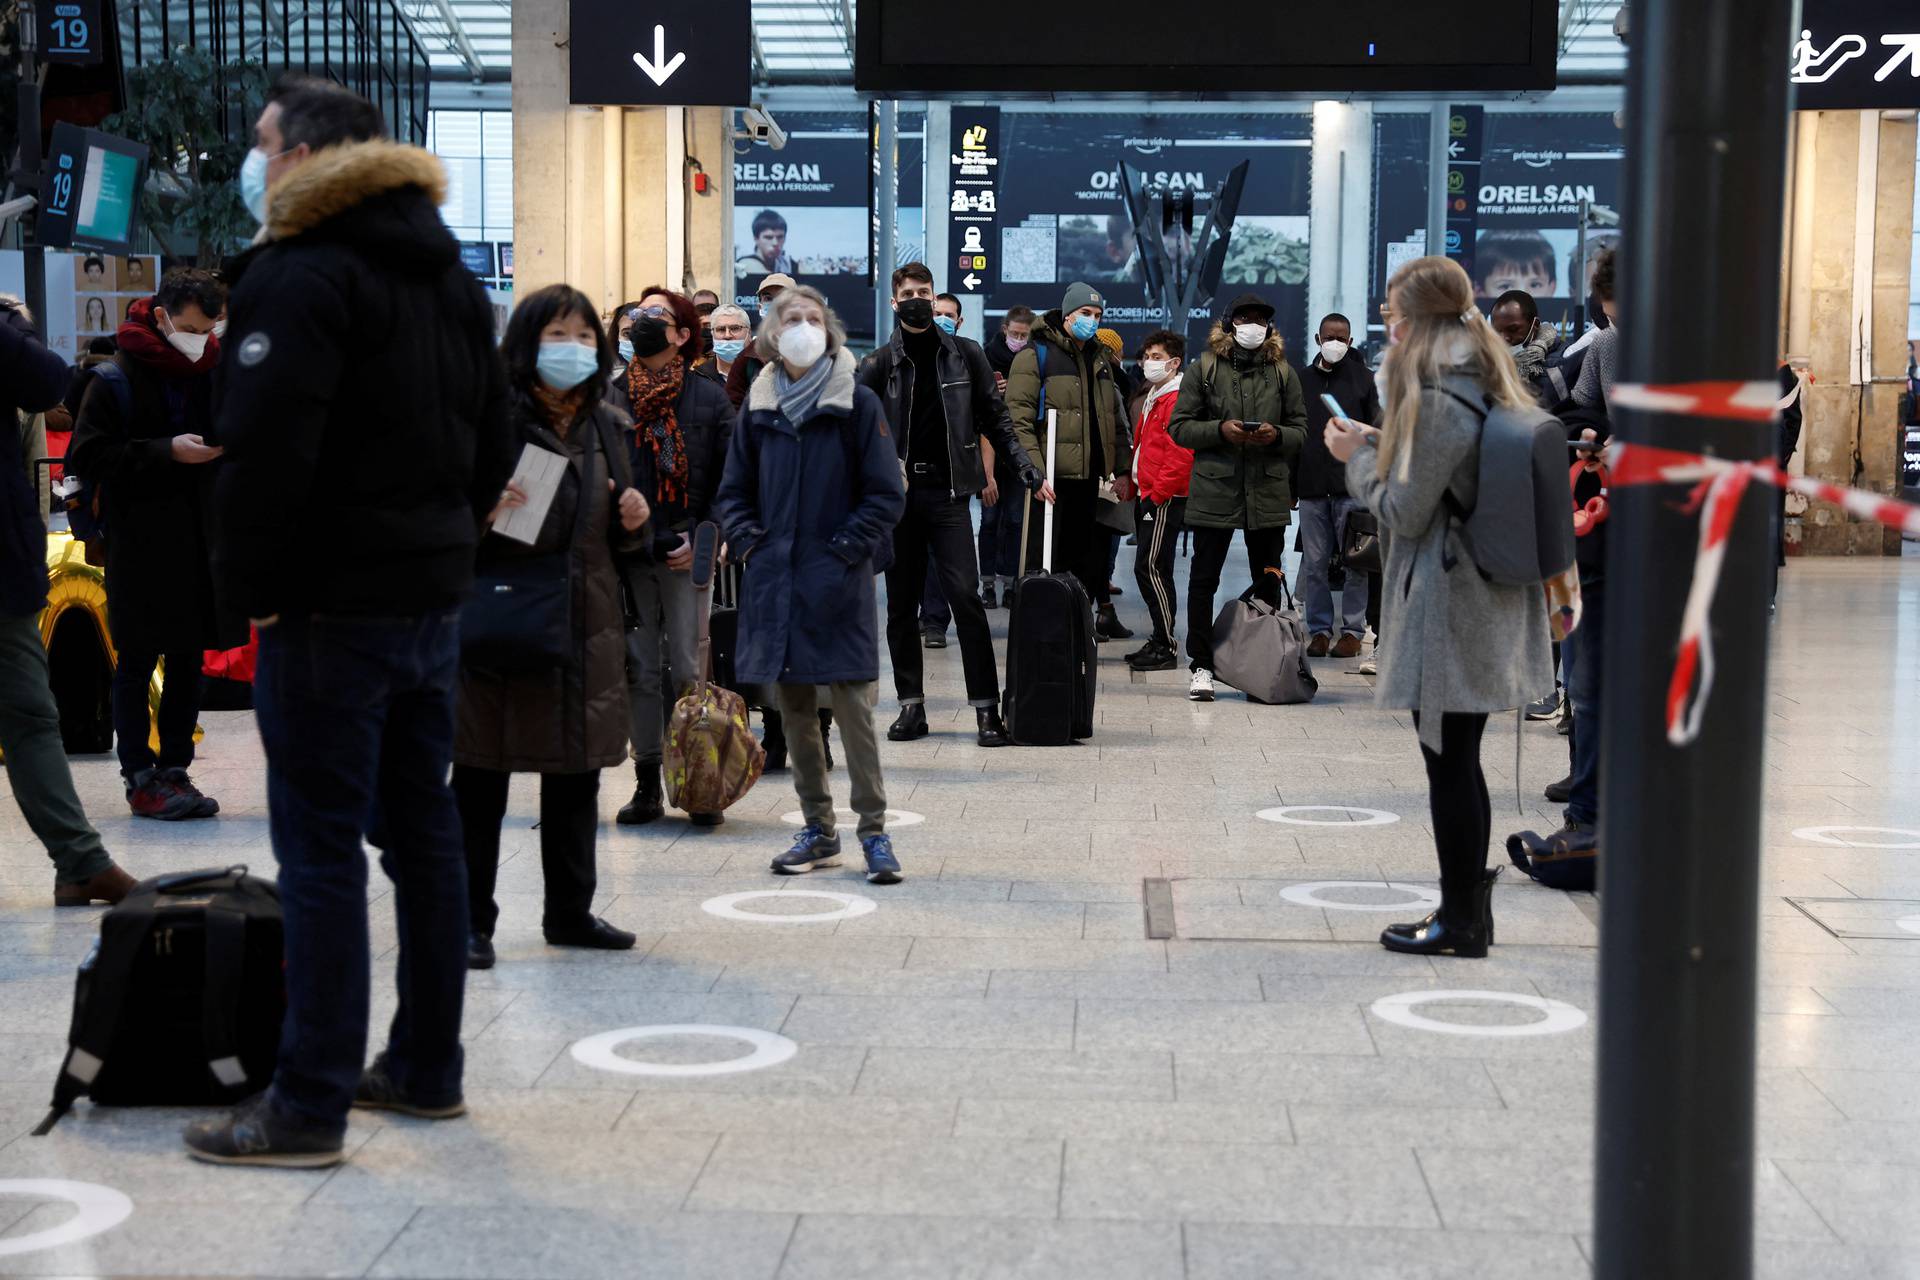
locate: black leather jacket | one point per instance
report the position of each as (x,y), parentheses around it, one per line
(967,393)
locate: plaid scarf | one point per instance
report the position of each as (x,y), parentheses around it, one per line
(654,397)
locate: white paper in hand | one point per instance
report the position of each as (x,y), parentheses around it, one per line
(538,474)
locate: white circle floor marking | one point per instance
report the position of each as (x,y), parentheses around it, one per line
(1286,812)
(1399,1010)
(1308,895)
(848,818)
(101,1209)
(727,907)
(1910,923)
(598,1051)
(1824,835)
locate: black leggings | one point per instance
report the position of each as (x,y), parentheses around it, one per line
(1458,800)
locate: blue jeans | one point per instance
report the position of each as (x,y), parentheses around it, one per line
(1000,531)
(1582,668)
(1322,522)
(356,715)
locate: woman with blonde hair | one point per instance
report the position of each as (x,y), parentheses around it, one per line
(1457,646)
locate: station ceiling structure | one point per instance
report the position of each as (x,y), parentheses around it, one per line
(810,42)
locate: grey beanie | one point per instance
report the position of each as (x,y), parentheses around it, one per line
(1081,294)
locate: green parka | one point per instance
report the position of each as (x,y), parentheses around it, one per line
(1240,486)
(1069,389)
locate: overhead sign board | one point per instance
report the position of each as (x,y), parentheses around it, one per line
(930,48)
(973,209)
(1856,55)
(1464,130)
(658,55)
(90,187)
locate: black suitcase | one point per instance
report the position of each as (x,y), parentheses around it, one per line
(180,1002)
(1052,663)
(723,628)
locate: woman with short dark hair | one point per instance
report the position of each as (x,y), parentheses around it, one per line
(564,722)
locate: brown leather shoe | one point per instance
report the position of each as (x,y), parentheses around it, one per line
(109,887)
(1348,647)
(1318,649)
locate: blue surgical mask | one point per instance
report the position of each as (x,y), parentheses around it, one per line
(253,184)
(729,349)
(948,325)
(565,365)
(1083,327)
(626,350)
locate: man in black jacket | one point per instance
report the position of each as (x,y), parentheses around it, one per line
(1321,490)
(939,396)
(32,380)
(364,415)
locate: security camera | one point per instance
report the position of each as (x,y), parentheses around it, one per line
(760,126)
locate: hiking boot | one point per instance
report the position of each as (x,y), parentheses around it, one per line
(1348,646)
(150,796)
(1154,658)
(1321,643)
(813,849)
(204,806)
(992,729)
(109,887)
(647,805)
(1109,627)
(911,724)
(933,639)
(882,866)
(378,1092)
(1562,791)
(253,1134)
(1200,688)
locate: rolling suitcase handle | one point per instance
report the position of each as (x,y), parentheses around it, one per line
(1046,539)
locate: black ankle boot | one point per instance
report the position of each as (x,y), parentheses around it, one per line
(647,805)
(993,730)
(911,724)
(1109,627)
(1462,927)
(774,740)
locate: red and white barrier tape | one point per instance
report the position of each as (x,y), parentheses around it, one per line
(1719,485)
(1751,401)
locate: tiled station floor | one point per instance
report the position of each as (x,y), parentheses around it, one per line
(994,1073)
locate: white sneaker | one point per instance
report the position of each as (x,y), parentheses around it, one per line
(1371,667)
(1200,689)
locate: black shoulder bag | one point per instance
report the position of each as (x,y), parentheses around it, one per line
(520,616)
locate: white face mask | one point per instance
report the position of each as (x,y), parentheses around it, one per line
(802,345)
(220,327)
(1250,336)
(1157,371)
(191,345)
(1333,352)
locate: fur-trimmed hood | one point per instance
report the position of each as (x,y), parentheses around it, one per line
(836,396)
(337,179)
(1221,343)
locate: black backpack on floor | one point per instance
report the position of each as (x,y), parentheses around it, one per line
(180,1002)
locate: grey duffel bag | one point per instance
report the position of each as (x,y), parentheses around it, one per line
(1262,650)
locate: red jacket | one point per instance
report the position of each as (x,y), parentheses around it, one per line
(1161,467)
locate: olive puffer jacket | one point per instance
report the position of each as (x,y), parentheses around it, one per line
(1071,387)
(1240,486)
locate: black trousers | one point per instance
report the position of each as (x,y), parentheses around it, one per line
(1265,547)
(569,819)
(1158,525)
(179,708)
(1461,808)
(937,532)
(1081,545)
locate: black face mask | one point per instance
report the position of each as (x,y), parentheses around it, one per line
(915,313)
(648,335)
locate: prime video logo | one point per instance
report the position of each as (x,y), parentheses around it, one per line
(1538,159)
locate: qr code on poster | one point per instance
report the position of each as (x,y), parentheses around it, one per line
(1026,255)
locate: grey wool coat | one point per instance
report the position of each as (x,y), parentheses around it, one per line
(1452,641)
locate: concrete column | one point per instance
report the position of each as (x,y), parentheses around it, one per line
(564,159)
(1340,238)
(1849,265)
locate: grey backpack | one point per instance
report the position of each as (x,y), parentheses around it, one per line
(1519,530)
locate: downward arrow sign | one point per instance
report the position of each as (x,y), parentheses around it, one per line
(661,68)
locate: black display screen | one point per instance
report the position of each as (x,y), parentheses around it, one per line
(1259,51)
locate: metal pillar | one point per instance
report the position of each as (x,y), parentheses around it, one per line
(1707,106)
(1437,139)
